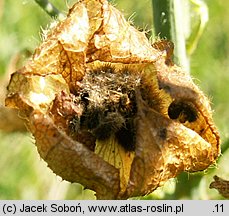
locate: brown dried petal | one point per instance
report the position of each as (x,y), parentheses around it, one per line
(164,149)
(221,185)
(80,164)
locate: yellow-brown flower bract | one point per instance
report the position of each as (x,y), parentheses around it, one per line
(58,91)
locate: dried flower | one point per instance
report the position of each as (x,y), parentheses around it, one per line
(109,110)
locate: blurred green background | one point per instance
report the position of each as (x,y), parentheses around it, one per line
(25,176)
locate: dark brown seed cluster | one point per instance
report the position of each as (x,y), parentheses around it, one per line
(108,97)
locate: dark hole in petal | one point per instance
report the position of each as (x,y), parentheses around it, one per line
(183,111)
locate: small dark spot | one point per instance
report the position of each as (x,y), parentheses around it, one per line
(103,131)
(202,130)
(109,124)
(124,90)
(84,97)
(64,65)
(163,133)
(74,124)
(127,137)
(183,111)
(164,87)
(93,118)
(123,101)
(132,95)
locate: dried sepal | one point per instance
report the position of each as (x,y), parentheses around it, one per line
(9,120)
(221,185)
(80,164)
(109,110)
(164,150)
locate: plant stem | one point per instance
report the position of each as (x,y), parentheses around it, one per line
(50,9)
(171,21)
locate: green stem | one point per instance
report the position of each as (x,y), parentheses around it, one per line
(171,21)
(200,19)
(225,146)
(50,9)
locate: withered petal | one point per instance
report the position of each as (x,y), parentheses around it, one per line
(164,149)
(72,160)
(221,185)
